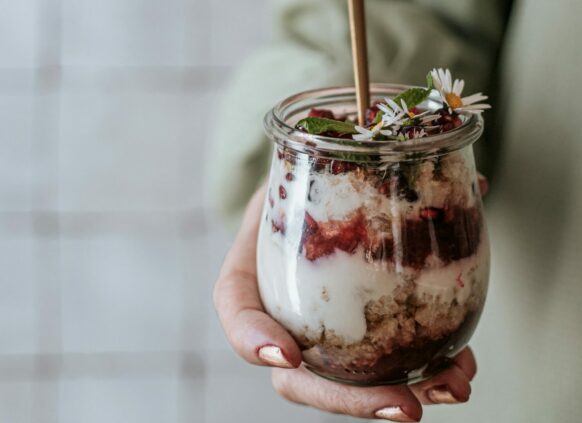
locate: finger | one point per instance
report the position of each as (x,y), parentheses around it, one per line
(251,332)
(465,360)
(483,184)
(396,403)
(451,386)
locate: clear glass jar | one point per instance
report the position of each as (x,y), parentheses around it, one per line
(374,255)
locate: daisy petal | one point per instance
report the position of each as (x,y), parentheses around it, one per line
(395,107)
(458,86)
(436,80)
(449,80)
(474,98)
(475,108)
(383,108)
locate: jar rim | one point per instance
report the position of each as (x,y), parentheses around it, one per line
(281,132)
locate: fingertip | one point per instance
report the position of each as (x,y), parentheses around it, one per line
(396,413)
(301,386)
(467,362)
(458,385)
(275,356)
(262,341)
(451,386)
(407,409)
(413,408)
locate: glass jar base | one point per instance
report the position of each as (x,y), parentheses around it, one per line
(419,375)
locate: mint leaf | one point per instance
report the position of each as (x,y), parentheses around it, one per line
(316,126)
(412,97)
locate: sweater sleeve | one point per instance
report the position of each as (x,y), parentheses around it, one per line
(311,49)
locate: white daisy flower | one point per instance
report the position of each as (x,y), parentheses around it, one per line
(392,113)
(451,91)
(365,134)
(402,110)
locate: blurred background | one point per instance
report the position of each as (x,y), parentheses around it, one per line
(107,250)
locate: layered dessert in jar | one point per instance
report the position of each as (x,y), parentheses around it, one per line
(372,250)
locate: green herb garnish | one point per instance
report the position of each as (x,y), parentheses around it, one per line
(414,96)
(316,126)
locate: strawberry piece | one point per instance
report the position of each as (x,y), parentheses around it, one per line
(321,239)
(311,225)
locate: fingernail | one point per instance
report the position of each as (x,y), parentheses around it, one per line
(396,414)
(441,395)
(273,356)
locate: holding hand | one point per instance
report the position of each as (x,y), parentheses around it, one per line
(262,341)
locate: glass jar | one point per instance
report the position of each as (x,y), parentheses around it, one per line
(374,255)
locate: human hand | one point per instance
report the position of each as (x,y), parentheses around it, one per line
(262,341)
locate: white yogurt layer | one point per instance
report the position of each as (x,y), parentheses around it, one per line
(456,280)
(333,291)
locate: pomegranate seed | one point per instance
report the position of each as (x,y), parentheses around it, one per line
(338,167)
(371,113)
(384,188)
(460,282)
(457,121)
(275,226)
(448,126)
(321,113)
(431,213)
(289,177)
(282,192)
(320,164)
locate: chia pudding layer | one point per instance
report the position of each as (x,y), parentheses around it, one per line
(379,273)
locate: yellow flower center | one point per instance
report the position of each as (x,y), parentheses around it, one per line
(453,100)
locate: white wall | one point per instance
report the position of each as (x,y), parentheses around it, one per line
(106,256)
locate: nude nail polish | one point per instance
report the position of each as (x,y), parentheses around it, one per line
(273,356)
(395,414)
(441,395)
